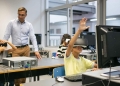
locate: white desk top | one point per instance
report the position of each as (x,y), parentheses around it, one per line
(42,63)
(19,58)
(97,74)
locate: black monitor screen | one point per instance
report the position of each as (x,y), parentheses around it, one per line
(90,36)
(108,45)
(91,39)
(38,38)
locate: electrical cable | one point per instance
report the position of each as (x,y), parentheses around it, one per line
(95,82)
(55,83)
(30,72)
(109,74)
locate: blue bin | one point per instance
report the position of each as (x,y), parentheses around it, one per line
(54,54)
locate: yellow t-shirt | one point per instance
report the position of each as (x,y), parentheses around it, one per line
(74,66)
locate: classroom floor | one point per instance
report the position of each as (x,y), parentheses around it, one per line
(42,77)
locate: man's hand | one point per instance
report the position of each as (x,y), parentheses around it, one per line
(37,54)
(82,24)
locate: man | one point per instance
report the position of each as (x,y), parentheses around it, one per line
(73,63)
(20,30)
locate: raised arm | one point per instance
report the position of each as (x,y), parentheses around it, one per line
(82,26)
(4,41)
(2,48)
(13,47)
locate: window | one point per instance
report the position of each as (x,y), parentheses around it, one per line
(51,31)
(58,31)
(57,26)
(65,18)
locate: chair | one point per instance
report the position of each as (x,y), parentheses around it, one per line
(59,71)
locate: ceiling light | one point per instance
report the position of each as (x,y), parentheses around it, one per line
(111,19)
(93,19)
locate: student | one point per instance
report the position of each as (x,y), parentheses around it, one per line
(63,46)
(73,63)
(3,46)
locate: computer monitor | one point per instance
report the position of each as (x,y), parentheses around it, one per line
(108,45)
(90,36)
(38,38)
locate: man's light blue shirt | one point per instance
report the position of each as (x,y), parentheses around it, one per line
(20,33)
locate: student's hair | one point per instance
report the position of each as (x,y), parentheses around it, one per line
(65,36)
(22,9)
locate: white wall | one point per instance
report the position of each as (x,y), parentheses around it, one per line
(113,7)
(36,13)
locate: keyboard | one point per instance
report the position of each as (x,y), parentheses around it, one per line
(74,78)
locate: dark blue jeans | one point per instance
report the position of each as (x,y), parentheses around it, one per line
(11,83)
(2,83)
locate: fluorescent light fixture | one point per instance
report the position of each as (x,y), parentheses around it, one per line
(74,1)
(93,19)
(111,19)
(106,19)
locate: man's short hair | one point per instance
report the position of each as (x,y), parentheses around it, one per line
(22,9)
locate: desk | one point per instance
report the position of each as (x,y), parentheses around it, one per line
(53,82)
(43,68)
(43,53)
(95,76)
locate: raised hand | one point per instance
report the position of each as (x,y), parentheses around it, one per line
(82,24)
